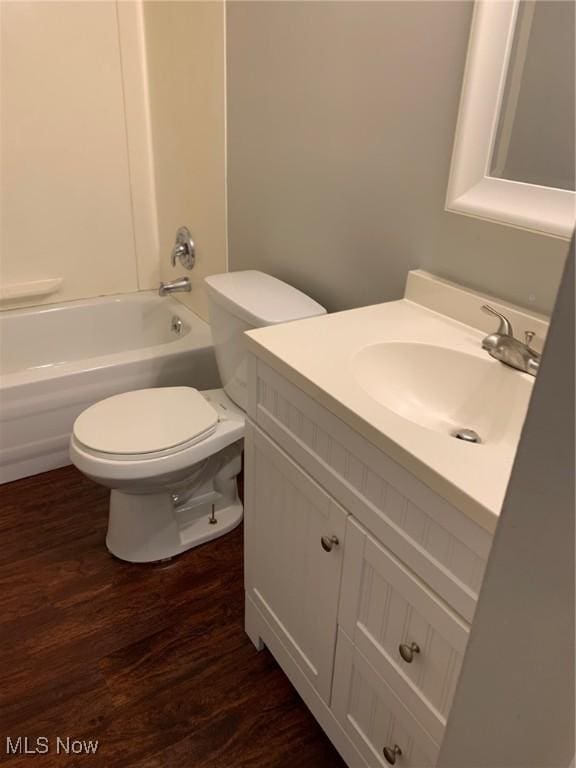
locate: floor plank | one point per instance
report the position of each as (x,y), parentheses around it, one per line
(150,660)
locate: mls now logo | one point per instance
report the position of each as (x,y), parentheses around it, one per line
(41,745)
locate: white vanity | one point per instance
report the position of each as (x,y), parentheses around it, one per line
(368,529)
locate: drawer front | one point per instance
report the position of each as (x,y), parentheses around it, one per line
(373,716)
(290,576)
(414,640)
(446,548)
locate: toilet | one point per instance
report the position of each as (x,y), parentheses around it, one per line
(170,455)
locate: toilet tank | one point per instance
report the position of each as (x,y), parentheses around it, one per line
(241,301)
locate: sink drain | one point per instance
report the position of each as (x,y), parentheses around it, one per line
(468,435)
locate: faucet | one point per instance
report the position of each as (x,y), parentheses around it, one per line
(181,285)
(502,346)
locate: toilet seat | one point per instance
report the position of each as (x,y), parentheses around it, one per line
(145,423)
(121,469)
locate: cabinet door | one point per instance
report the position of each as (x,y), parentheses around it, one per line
(294,551)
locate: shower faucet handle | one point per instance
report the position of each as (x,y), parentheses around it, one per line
(184,249)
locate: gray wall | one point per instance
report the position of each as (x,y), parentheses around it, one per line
(341,117)
(514,704)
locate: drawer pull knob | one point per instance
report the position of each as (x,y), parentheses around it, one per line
(407,651)
(392,753)
(329,542)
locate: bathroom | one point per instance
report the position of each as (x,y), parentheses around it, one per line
(352,585)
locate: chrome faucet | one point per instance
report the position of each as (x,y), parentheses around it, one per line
(502,346)
(181,285)
(183,249)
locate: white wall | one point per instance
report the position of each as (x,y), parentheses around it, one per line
(72,184)
(185,51)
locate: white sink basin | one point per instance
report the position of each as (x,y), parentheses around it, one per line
(445,390)
(405,378)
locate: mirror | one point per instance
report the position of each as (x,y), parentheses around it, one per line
(535,138)
(513,159)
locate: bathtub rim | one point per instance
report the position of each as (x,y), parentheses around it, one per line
(198,338)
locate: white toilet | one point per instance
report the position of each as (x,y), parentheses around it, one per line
(171,455)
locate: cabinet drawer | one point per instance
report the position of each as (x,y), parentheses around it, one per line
(373,716)
(441,544)
(290,576)
(384,606)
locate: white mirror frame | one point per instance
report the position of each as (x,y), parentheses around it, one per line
(471,189)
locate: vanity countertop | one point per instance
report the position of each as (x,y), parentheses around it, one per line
(319,355)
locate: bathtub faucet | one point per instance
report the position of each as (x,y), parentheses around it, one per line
(181,285)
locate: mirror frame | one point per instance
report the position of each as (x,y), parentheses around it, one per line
(471,189)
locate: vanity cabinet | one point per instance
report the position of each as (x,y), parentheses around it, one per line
(359,578)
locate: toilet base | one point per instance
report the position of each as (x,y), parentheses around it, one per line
(146,528)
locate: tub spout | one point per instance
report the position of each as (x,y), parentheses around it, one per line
(181,285)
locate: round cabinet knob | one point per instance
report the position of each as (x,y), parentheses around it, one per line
(391,753)
(407,651)
(329,542)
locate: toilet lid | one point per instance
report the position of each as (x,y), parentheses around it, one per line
(146,421)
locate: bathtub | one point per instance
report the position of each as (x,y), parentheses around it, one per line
(57,360)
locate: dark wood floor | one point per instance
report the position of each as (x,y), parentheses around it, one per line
(151,661)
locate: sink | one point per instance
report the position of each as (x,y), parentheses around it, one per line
(405,376)
(445,390)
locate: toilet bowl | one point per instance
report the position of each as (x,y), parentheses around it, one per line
(171,455)
(166,486)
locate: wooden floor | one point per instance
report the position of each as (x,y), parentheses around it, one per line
(151,661)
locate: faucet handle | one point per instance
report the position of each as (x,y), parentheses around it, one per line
(528,336)
(505,327)
(184,249)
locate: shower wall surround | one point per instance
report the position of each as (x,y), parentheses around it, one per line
(77,188)
(112,137)
(186,74)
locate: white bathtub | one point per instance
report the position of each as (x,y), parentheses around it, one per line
(57,360)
